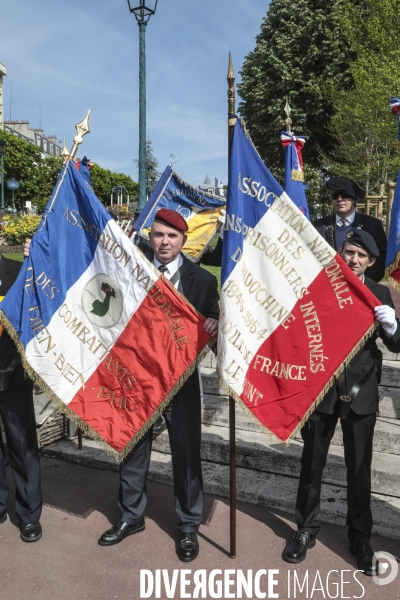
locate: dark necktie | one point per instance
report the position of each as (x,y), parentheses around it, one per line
(342,223)
(162,268)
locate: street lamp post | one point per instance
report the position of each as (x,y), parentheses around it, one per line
(3,150)
(143,10)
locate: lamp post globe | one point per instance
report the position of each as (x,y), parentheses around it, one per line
(143,10)
(3,150)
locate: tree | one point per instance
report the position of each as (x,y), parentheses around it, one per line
(301,47)
(152,173)
(37,175)
(105,180)
(365,130)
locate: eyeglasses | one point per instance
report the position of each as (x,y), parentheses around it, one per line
(342,193)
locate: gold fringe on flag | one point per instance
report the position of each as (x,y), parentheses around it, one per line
(391,269)
(317,401)
(118,456)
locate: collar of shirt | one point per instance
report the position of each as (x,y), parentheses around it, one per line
(349,219)
(172,267)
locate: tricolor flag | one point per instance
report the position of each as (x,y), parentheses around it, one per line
(101,331)
(292,312)
(393,250)
(395,108)
(294,170)
(200,209)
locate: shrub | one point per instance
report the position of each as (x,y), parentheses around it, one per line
(17,229)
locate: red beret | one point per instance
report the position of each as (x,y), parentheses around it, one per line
(171,218)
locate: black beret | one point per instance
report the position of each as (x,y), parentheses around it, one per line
(347,185)
(362,239)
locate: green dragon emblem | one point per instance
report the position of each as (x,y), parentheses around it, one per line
(101,307)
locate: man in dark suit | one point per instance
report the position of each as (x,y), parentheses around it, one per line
(354,400)
(183,414)
(18,416)
(334,228)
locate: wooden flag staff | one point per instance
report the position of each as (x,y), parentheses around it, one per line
(232,450)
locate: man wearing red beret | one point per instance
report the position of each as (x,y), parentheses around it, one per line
(183,414)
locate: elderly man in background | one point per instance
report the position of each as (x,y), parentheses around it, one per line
(334,228)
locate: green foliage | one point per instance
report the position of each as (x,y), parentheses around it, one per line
(365,130)
(301,47)
(17,229)
(105,180)
(36,175)
(152,173)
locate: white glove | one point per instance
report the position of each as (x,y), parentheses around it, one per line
(387,317)
(222,219)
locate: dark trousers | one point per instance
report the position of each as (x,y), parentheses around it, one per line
(183,417)
(18,416)
(358,432)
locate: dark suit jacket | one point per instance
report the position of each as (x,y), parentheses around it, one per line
(200,288)
(367,400)
(213,256)
(326,227)
(9,270)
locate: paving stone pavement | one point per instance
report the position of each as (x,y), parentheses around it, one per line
(81,502)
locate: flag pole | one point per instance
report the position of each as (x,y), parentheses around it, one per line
(82,129)
(232,450)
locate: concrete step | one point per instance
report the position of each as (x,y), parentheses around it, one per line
(259,452)
(256,487)
(389,402)
(216,412)
(385,352)
(391,374)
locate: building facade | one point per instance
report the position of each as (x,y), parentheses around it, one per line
(47,143)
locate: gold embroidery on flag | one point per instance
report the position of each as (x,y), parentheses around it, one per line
(297,175)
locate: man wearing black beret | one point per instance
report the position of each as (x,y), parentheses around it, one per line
(334,228)
(354,400)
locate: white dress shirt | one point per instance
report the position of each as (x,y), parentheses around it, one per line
(349,220)
(172,267)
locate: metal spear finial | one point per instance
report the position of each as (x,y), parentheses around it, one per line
(231,88)
(65,153)
(288,110)
(82,129)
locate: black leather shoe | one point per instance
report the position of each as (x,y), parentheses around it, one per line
(188,547)
(30,532)
(365,557)
(297,550)
(3,519)
(119,532)
(159,426)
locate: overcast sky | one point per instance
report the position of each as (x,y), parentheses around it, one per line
(64,57)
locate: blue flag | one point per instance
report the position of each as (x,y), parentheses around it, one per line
(200,209)
(294,170)
(393,249)
(61,250)
(248,178)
